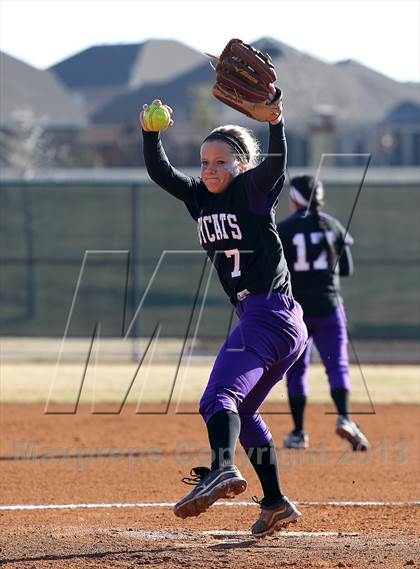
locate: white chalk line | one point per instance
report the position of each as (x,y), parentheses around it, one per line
(223,534)
(20,507)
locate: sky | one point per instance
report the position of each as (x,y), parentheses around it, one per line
(381,34)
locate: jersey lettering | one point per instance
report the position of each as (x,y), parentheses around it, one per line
(200,231)
(301,263)
(213,228)
(222,223)
(210,236)
(236,262)
(236,232)
(321,262)
(217,229)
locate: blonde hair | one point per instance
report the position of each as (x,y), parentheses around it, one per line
(247,139)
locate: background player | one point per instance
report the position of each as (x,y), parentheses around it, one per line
(317,250)
(233,203)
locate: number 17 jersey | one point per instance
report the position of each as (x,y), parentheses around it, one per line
(317,250)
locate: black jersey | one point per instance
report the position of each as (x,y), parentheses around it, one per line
(314,244)
(237,227)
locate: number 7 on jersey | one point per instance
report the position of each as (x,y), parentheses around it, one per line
(236,262)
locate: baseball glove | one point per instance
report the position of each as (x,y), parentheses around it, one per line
(243,76)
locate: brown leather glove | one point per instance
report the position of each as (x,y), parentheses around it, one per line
(243,79)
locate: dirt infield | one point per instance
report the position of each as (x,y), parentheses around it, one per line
(354,506)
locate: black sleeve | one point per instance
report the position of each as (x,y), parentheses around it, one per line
(272,168)
(162,172)
(344,242)
(346,262)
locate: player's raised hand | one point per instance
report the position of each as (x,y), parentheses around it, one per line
(156,117)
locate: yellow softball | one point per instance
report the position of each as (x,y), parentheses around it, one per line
(156,117)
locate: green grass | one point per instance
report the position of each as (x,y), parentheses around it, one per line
(31,382)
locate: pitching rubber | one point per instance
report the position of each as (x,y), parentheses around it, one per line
(197,506)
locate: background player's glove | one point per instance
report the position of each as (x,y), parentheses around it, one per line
(244,81)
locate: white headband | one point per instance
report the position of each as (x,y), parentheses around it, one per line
(297,196)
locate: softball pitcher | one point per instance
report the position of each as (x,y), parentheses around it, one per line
(233,203)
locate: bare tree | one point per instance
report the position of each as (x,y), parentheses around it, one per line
(24,145)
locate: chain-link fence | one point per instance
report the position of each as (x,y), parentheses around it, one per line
(78,249)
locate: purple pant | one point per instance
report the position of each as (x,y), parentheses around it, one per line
(267,340)
(330,336)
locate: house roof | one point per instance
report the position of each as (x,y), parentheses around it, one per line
(352,92)
(25,89)
(103,65)
(179,93)
(405,113)
(126,65)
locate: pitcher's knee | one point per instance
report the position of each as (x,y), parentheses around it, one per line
(214,401)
